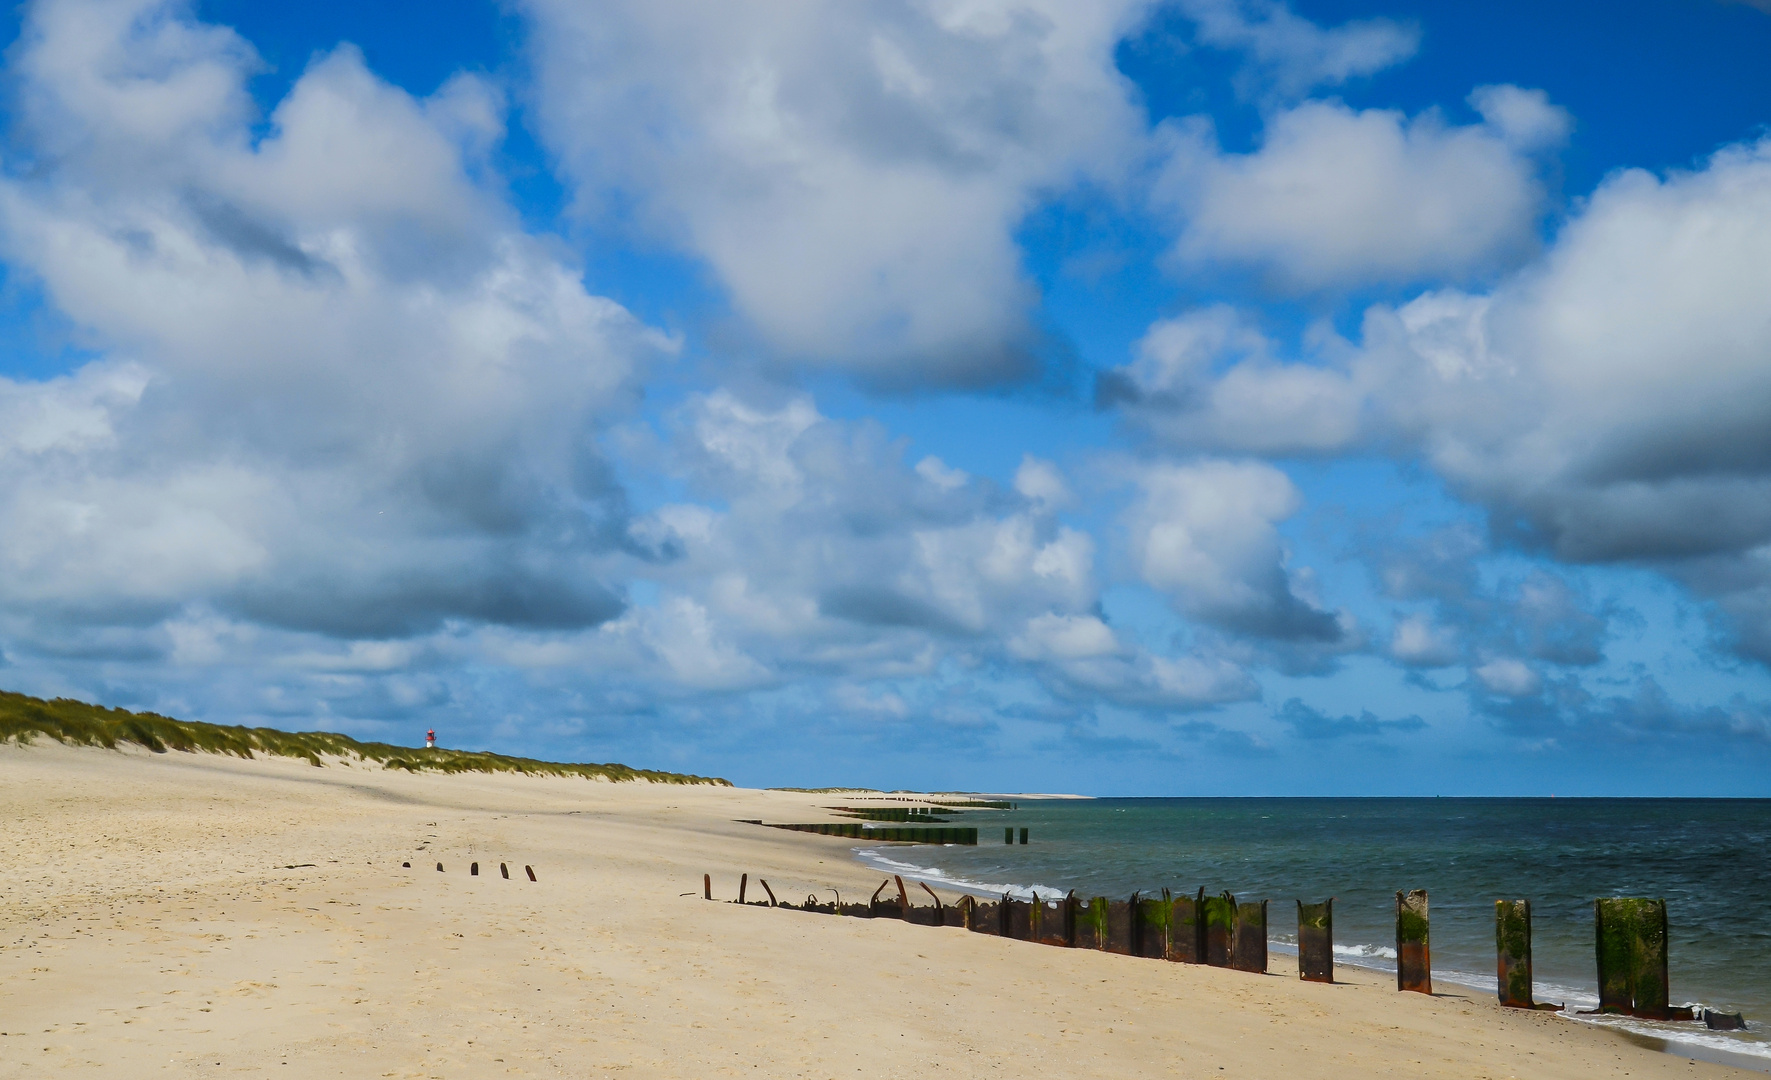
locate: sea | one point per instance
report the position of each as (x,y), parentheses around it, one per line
(1710,859)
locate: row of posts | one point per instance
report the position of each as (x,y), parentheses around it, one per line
(1630,937)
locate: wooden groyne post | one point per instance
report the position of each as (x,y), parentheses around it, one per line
(1414,960)
(1630,943)
(1248,939)
(1316,941)
(1512,950)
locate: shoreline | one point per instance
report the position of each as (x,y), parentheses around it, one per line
(181,915)
(1682,1040)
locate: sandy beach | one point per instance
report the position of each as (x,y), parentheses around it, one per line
(194,915)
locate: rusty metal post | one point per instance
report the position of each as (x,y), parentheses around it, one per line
(768,890)
(439,868)
(968,910)
(1220,924)
(1512,951)
(1186,929)
(706,884)
(1023,836)
(1017,918)
(743,881)
(1414,961)
(1054,922)
(504,871)
(938,905)
(1008,835)
(530,870)
(1120,916)
(1248,941)
(903,899)
(474,870)
(1316,941)
(1091,924)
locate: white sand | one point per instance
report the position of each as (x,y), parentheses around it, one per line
(150,925)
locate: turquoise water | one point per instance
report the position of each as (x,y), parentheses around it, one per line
(1710,859)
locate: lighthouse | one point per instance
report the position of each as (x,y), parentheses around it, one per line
(430,739)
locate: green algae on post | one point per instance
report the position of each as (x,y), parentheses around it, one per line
(1512,948)
(1614,931)
(1150,925)
(1414,962)
(1186,929)
(1219,917)
(1316,941)
(1630,936)
(1091,924)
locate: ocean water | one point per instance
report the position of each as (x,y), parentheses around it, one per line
(1709,858)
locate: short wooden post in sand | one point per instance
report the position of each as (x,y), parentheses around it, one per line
(1414,960)
(1316,941)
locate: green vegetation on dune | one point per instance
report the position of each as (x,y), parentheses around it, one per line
(79,724)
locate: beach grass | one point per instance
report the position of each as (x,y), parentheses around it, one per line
(77,723)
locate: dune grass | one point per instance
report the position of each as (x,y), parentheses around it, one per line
(78,724)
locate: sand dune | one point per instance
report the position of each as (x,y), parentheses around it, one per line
(190,915)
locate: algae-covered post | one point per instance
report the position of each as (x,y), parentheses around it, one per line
(1512,948)
(1316,941)
(1054,922)
(1220,923)
(1186,929)
(1648,989)
(1091,924)
(1248,940)
(1414,962)
(1629,940)
(1150,926)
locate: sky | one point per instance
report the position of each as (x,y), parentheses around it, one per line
(1211,397)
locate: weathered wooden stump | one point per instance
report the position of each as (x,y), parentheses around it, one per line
(1414,959)
(1316,941)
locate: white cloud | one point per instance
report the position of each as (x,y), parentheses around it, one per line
(1205,534)
(339,390)
(1418,642)
(1086,659)
(852,173)
(1208,379)
(1609,401)
(1288,54)
(1509,677)
(1041,483)
(1336,198)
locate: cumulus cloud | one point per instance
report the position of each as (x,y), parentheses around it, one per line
(1288,54)
(1607,402)
(1088,661)
(338,388)
(1210,379)
(829,556)
(1419,642)
(1337,198)
(852,174)
(1205,535)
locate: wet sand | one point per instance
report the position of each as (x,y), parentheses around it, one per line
(190,915)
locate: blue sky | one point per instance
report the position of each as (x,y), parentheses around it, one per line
(1210,397)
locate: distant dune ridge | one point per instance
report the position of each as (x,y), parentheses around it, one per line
(77,723)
